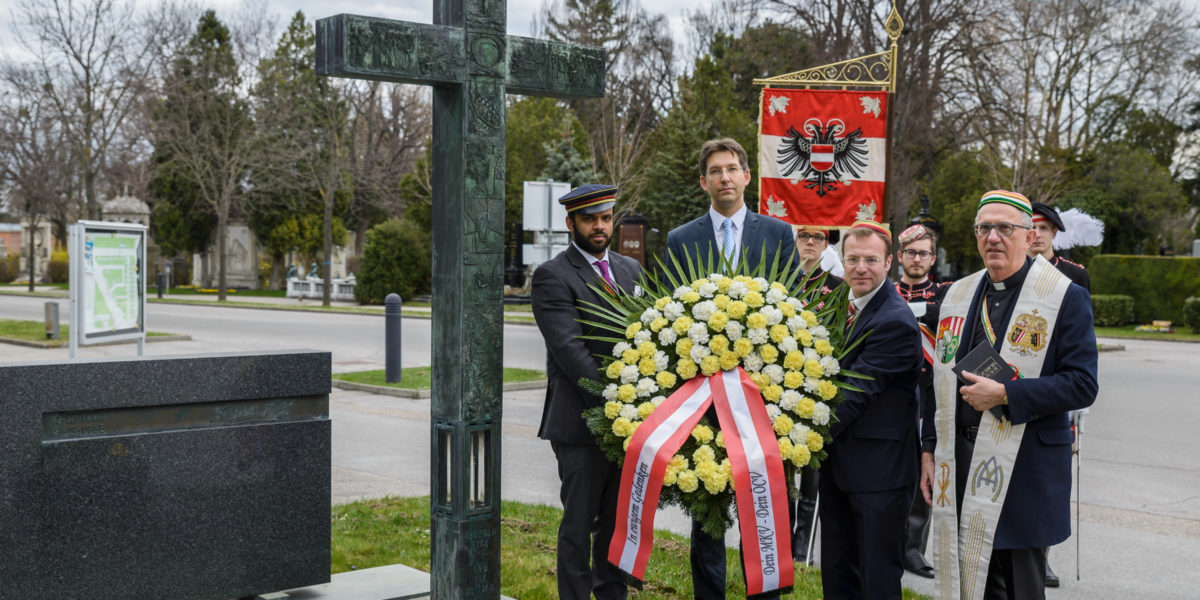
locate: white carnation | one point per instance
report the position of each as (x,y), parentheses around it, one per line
(657,400)
(698,353)
(799,434)
(820,413)
(620,348)
(661,360)
(707,290)
(642,336)
(796,304)
(629,374)
(649,315)
(630,412)
(788,344)
(810,354)
(820,332)
(703,311)
(775,372)
(753,363)
(773,412)
(762,283)
(667,336)
(789,399)
(646,387)
(737,290)
(830,365)
(733,330)
(758,335)
(680,291)
(699,333)
(610,392)
(810,384)
(775,295)
(673,310)
(796,324)
(774,315)
(716,277)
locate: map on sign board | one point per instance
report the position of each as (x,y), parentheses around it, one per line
(111,294)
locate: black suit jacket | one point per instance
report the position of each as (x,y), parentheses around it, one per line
(875,440)
(762,235)
(558,286)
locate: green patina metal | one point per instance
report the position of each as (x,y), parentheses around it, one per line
(471,64)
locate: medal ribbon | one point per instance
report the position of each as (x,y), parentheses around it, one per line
(757,477)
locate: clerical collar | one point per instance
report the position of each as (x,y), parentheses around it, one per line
(1015,280)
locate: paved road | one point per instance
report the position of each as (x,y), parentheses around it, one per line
(356,341)
(1140,502)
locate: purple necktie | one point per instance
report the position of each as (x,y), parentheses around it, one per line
(603,264)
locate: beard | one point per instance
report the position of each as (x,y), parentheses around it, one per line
(916,271)
(592,248)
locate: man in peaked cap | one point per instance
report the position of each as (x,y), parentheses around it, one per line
(1047,223)
(589,481)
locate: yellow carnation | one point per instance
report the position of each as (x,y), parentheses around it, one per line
(682,325)
(678,461)
(736,309)
(721,300)
(787,309)
(809,317)
(826,390)
(687,481)
(647,367)
(669,478)
(783,424)
(683,347)
(612,408)
(657,324)
(633,328)
(785,446)
(729,360)
(614,369)
(723,285)
(753,299)
(662,303)
(622,427)
(756,321)
(720,440)
(626,393)
(699,283)
(778,332)
(665,379)
(805,407)
(753,285)
(718,344)
(690,296)
(760,380)
(743,347)
(823,347)
(647,349)
(800,456)
(794,360)
(710,365)
(815,441)
(703,434)
(768,353)
(813,368)
(793,380)
(772,393)
(630,356)
(625,444)
(718,321)
(775,285)
(644,409)
(705,452)
(805,337)
(686,368)
(716,484)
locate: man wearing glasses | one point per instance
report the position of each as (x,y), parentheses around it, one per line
(918,252)
(996,466)
(867,482)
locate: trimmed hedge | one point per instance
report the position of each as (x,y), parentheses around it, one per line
(1111,310)
(1159,285)
(1191,314)
(8,268)
(396,258)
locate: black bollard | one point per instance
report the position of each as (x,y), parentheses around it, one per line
(161,280)
(391,335)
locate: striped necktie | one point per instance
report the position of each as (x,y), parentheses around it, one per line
(728,243)
(853,314)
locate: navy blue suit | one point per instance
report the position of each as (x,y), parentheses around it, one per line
(868,480)
(762,236)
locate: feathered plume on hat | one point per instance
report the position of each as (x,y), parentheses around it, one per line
(1081,229)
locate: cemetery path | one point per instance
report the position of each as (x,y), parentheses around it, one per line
(356,341)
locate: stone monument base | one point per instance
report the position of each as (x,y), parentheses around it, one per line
(380,583)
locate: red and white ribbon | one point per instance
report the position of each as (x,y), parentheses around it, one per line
(757,477)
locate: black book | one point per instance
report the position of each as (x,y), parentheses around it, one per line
(983,360)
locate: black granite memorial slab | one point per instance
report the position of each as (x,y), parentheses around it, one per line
(201,477)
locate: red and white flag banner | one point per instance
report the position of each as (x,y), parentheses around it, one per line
(822,156)
(758,479)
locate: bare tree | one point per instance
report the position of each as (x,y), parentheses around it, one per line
(93,57)
(34,154)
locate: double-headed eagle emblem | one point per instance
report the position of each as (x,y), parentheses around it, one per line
(821,155)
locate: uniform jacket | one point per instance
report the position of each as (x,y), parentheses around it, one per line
(875,440)
(558,286)
(761,234)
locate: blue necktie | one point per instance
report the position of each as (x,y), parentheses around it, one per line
(728,243)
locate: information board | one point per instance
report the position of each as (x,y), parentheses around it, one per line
(108,283)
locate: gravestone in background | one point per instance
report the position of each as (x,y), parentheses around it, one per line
(200,477)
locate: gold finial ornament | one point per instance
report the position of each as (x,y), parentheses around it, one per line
(894,24)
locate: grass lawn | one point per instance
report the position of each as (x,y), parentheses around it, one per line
(35,331)
(418,378)
(373,533)
(1182,334)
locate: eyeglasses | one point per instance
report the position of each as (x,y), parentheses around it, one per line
(913,254)
(817,237)
(870,261)
(730,171)
(983,230)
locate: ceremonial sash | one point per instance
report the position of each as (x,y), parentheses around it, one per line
(962,546)
(758,480)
